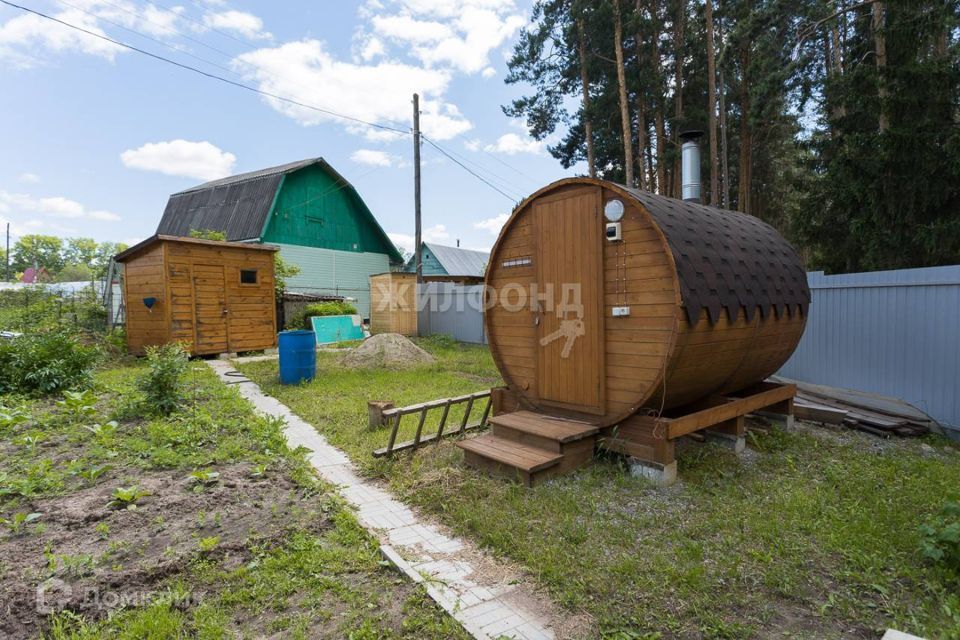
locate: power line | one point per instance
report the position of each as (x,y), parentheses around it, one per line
(462,166)
(504,182)
(206,73)
(167,27)
(148,37)
(252,89)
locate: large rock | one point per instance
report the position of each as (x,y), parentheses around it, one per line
(386,350)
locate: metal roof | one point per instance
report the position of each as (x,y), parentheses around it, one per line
(728,260)
(281,169)
(459,262)
(239,205)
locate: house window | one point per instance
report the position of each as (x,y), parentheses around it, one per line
(248,276)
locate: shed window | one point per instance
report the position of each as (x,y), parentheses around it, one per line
(248,276)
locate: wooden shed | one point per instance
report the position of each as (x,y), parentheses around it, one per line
(214,296)
(393,303)
(626,317)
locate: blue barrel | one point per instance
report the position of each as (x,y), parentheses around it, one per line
(298,356)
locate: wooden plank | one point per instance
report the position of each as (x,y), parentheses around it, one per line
(735,407)
(545,426)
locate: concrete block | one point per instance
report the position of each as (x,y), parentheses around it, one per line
(662,475)
(893,634)
(230,355)
(735,443)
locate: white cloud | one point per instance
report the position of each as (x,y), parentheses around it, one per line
(488,72)
(25,36)
(373,158)
(378,92)
(240,22)
(372,48)
(26,40)
(52,206)
(407,29)
(457,34)
(200,160)
(494,224)
(28,178)
(406,242)
(512,144)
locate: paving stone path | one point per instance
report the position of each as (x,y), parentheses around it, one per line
(489,598)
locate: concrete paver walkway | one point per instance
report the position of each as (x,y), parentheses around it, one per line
(489,598)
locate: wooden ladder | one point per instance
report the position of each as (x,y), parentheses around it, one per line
(531,447)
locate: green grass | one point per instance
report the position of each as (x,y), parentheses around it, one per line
(318,570)
(811,534)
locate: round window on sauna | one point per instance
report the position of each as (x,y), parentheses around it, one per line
(613,210)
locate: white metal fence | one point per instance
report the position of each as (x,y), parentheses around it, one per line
(451,309)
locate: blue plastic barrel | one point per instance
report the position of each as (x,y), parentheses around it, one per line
(298,356)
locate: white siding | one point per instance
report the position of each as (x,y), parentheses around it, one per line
(341,273)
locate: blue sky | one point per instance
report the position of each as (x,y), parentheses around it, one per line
(96,137)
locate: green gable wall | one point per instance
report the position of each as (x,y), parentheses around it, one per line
(314,209)
(341,273)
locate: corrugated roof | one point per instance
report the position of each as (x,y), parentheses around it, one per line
(459,262)
(728,260)
(236,205)
(280,169)
(239,205)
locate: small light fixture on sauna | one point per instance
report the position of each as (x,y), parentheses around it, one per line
(148,303)
(613,212)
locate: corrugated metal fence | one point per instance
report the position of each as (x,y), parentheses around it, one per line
(895,333)
(451,309)
(891,332)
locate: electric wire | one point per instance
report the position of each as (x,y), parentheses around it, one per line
(503,182)
(208,74)
(463,166)
(274,96)
(151,38)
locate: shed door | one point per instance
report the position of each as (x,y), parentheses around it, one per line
(569,234)
(210,304)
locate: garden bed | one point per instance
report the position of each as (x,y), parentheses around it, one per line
(810,533)
(217,530)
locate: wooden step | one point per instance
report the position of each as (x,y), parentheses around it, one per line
(540,426)
(513,454)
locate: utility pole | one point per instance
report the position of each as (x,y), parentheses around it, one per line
(7,256)
(416,186)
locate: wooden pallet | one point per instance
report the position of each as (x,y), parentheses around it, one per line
(531,447)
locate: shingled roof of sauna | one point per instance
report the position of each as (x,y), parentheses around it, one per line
(713,248)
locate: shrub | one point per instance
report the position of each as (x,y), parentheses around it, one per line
(162,386)
(301,320)
(46,363)
(941,539)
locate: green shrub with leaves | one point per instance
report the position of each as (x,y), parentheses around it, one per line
(163,385)
(45,363)
(941,539)
(301,320)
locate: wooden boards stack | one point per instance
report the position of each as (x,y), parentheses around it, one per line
(880,415)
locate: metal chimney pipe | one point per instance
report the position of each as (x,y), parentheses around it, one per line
(690,175)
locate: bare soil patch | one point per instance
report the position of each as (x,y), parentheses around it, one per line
(91,559)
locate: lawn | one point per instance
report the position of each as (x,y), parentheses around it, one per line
(201,524)
(811,533)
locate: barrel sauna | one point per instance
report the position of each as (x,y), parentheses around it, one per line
(631,318)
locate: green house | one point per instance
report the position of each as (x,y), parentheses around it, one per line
(315,216)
